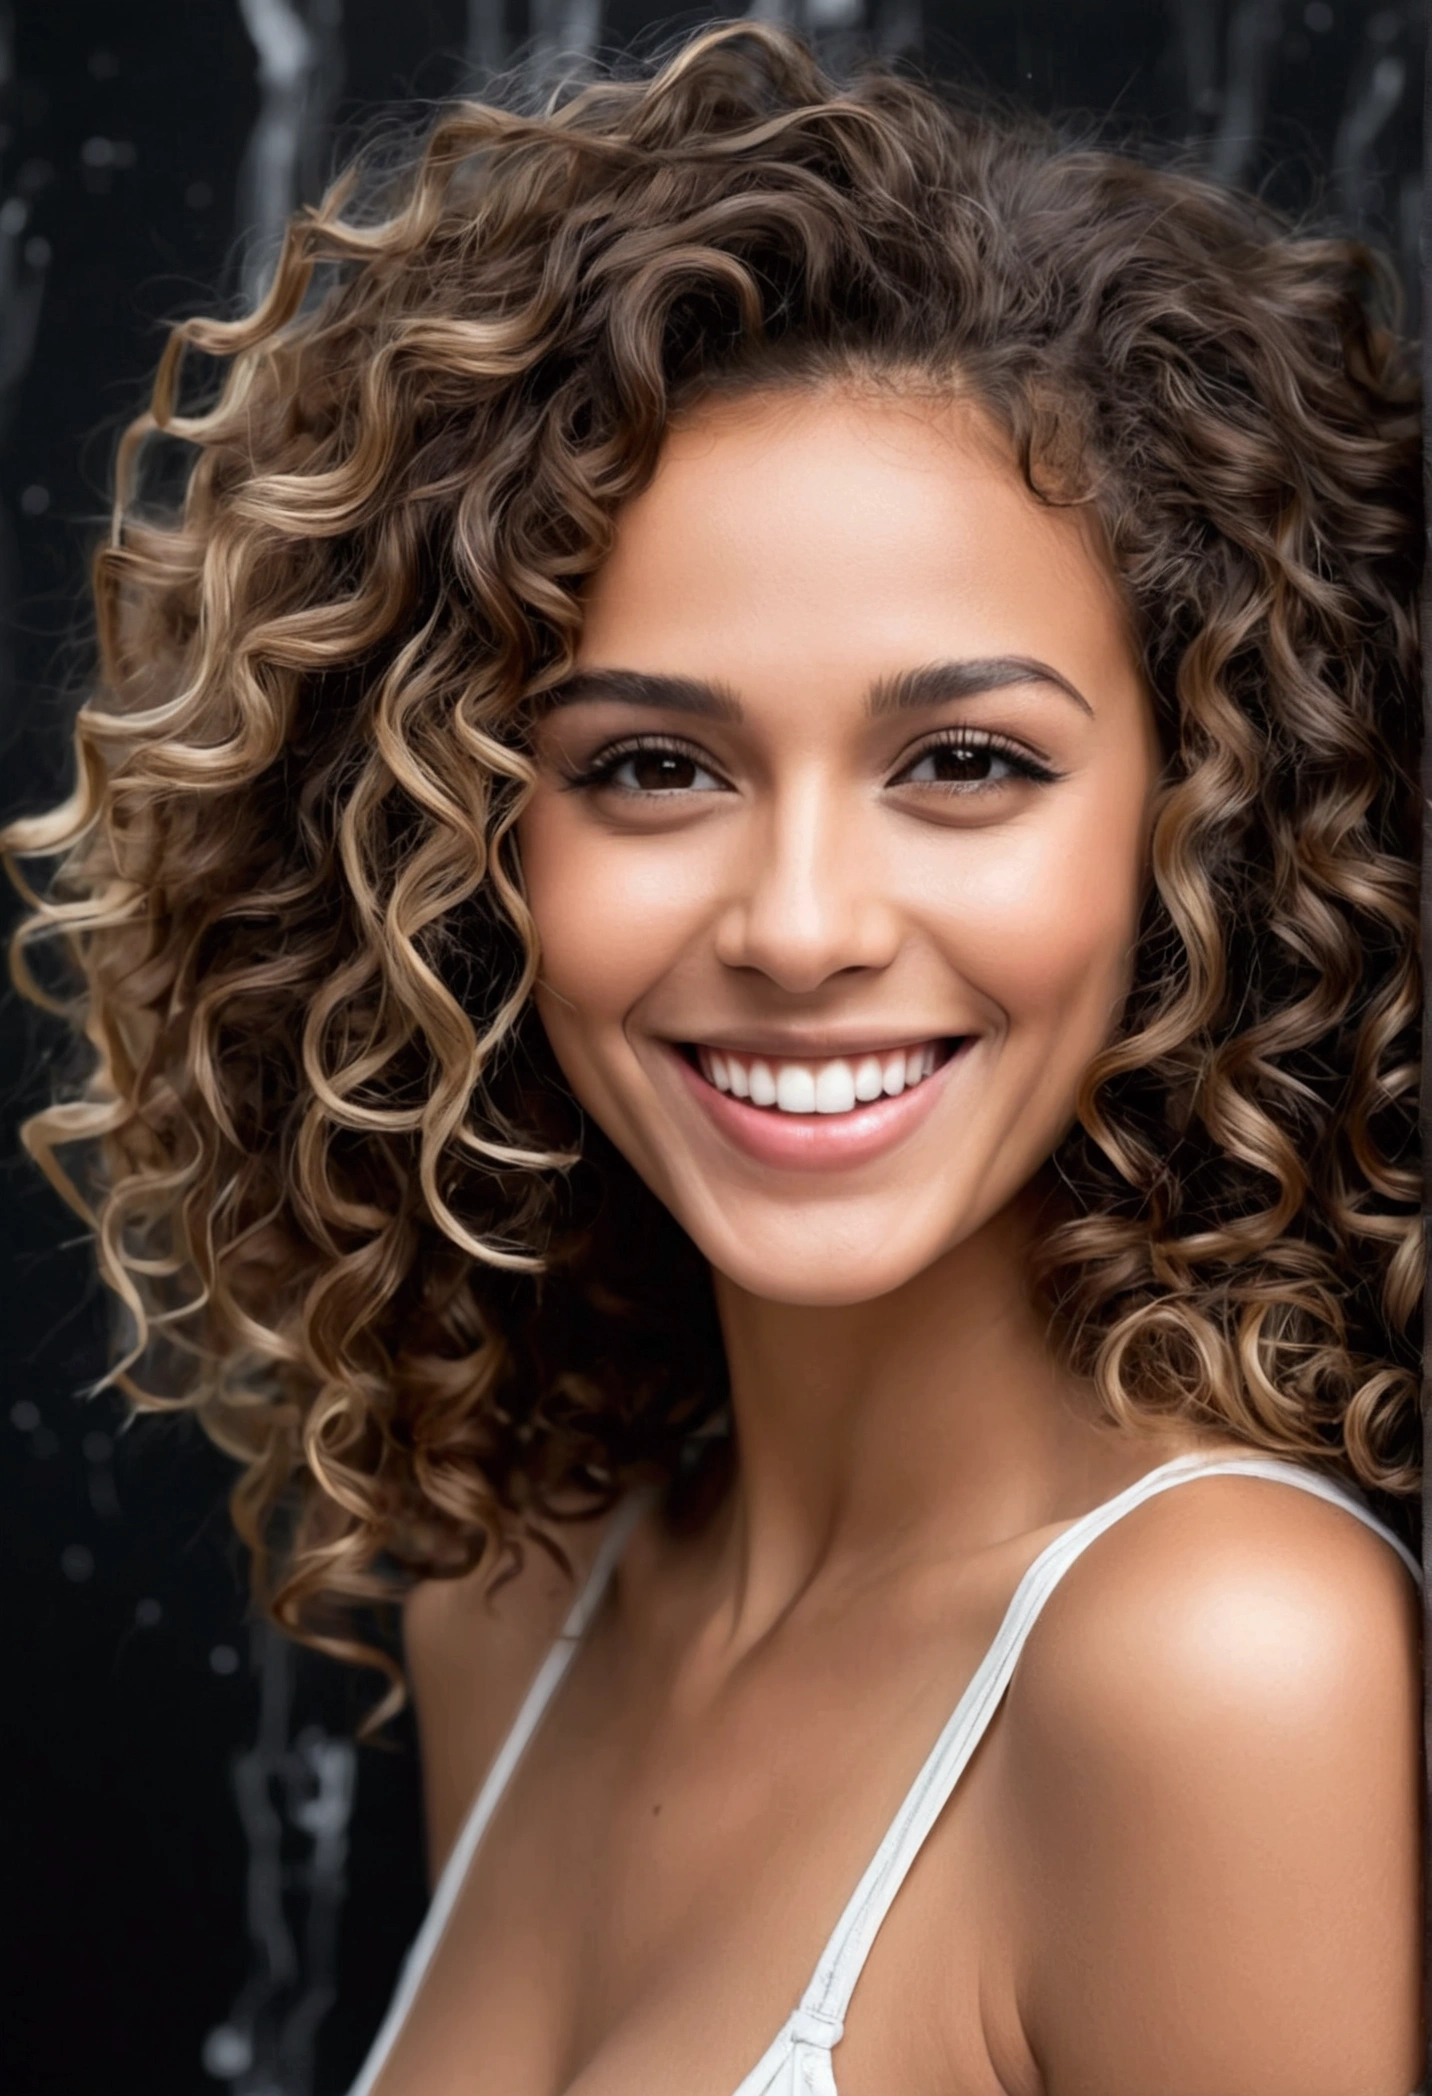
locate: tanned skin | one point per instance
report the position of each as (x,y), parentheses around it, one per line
(1185,1861)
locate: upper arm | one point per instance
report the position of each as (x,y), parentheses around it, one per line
(1214,1742)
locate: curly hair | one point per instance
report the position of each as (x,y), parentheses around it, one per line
(337,1183)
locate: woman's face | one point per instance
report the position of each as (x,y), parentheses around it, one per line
(838,845)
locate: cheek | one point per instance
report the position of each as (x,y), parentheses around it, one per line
(613,915)
(1044,925)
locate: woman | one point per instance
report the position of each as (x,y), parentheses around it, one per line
(744,883)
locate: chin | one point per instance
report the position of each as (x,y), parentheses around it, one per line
(816,1275)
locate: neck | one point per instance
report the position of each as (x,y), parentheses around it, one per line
(934,1414)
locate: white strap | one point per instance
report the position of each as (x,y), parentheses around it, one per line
(529,1717)
(827,1999)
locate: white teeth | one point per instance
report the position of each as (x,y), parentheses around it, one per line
(869,1080)
(795,1089)
(834,1088)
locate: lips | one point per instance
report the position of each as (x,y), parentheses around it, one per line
(825,1135)
(836,1084)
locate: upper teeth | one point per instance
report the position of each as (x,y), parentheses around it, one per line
(831,1086)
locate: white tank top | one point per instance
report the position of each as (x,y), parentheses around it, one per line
(798,2062)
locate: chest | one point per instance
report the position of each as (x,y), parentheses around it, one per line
(661,1877)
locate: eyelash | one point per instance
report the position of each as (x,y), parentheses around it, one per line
(601,770)
(1015,755)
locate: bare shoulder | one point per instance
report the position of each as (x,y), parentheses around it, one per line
(1245,1592)
(471,1649)
(1213,1739)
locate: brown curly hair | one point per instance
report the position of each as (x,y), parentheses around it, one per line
(337,1183)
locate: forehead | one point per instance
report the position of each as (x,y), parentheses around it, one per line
(840,529)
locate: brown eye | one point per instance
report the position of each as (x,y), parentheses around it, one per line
(959,764)
(957,767)
(648,768)
(972,764)
(658,771)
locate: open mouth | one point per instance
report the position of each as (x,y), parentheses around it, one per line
(836,1084)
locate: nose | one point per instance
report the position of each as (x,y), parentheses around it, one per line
(810,899)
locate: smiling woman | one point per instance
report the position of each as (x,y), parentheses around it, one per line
(744,882)
(827,762)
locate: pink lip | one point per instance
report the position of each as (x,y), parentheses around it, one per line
(816,1142)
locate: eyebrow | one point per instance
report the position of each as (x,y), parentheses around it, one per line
(932,684)
(644,688)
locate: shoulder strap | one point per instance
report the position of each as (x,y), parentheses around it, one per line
(529,1716)
(824,2004)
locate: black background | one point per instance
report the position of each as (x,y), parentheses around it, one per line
(132,144)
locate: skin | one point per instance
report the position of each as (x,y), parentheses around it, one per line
(1185,1857)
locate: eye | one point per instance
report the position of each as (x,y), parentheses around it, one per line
(971,760)
(649,767)
(659,771)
